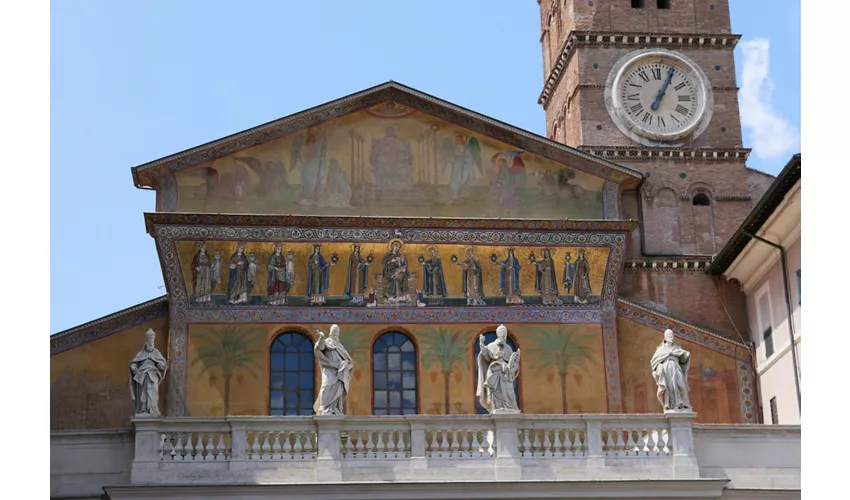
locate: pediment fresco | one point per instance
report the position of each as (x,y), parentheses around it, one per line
(390,160)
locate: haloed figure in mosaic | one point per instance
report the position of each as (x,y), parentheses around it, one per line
(473,283)
(202,275)
(318,276)
(581,278)
(498,367)
(394,273)
(281,276)
(670,365)
(545,281)
(435,281)
(147,371)
(509,278)
(337,367)
(253,269)
(237,286)
(569,273)
(358,276)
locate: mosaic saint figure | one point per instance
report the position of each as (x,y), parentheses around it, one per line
(318,276)
(394,273)
(281,277)
(463,155)
(581,278)
(337,367)
(509,278)
(202,275)
(435,282)
(237,286)
(545,281)
(569,273)
(358,276)
(498,367)
(308,153)
(473,282)
(337,191)
(147,371)
(670,365)
(216,269)
(391,161)
(253,269)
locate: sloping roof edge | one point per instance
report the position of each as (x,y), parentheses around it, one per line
(784,182)
(216,148)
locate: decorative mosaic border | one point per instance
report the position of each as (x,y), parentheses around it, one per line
(182,314)
(149,174)
(108,325)
(200,221)
(746,384)
(630,153)
(683,330)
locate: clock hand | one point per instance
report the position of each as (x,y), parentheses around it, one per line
(661,91)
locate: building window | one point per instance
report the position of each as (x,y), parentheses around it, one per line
(774,413)
(291,384)
(701,200)
(394,375)
(663,4)
(637,4)
(490,337)
(768,342)
(799,289)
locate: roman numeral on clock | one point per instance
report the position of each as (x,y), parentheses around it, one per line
(661,121)
(635,85)
(643,76)
(684,98)
(674,118)
(637,108)
(681,110)
(647,118)
(632,97)
(656,73)
(680,86)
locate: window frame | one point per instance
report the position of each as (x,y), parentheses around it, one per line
(763,325)
(774,411)
(272,371)
(417,403)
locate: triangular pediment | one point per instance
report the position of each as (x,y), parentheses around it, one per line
(386,151)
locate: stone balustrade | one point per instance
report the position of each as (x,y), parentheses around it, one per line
(502,447)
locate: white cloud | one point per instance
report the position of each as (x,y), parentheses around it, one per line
(770,134)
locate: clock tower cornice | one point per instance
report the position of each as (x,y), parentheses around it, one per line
(605,39)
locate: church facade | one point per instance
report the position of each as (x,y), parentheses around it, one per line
(418,227)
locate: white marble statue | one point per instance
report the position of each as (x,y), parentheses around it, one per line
(337,367)
(147,371)
(498,367)
(670,365)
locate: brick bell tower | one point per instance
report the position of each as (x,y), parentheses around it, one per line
(651,84)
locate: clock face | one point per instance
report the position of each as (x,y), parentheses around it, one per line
(659,95)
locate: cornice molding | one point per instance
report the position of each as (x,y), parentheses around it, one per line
(577,39)
(634,153)
(668,264)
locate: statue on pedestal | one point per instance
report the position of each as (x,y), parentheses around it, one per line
(337,367)
(498,367)
(147,371)
(670,365)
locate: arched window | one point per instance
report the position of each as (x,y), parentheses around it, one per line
(291,384)
(394,375)
(701,200)
(489,337)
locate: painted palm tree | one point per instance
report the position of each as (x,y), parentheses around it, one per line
(229,349)
(357,342)
(446,352)
(562,349)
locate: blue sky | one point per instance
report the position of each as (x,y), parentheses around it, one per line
(134,81)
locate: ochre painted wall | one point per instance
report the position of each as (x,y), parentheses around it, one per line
(715,391)
(89,384)
(542,380)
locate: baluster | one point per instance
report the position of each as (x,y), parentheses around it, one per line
(392,452)
(580,444)
(547,445)
(265,446)
(219,447)
(434,446)
(173,452)
(609,442)
(403,443)
(535,452)
(274,442)
(526,443)
(298,447)
(630,442)
(665,438)
(348,445)
(181,448)
(191,450)
(309,444)
(253,445)
(651,446)
(620,444)
(370,445)
(476,447)
(556,446)
(380,452)
(568,445)
(361,445)
(444,444)
(465,446)
(286,445)
(209,448)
